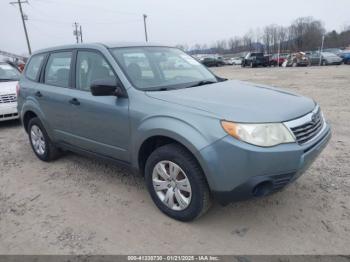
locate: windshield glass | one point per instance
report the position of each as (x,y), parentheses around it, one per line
(156,68)
(7,72)
(326,54)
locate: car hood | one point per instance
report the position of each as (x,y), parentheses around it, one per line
(8,87)
(333,58)
(240,101)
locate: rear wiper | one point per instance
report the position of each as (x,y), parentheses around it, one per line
(204,82)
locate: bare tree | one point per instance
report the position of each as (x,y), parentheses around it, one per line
(305,33)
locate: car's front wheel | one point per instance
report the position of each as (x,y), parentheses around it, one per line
(41,144)
(176,183)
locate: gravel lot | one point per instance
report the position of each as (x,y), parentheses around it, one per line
(77,205)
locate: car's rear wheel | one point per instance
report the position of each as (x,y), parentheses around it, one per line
(41,144)
(176,183)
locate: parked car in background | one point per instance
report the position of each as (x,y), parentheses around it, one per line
(192,135)
(9,76)
(345,55)
(336,51)
(236,60)
(325,58)
(212,61)
(296,59)
(221,60)
(227,61)
(278,59)
(233,61)
(255,59)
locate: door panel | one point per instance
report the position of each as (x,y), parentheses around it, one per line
(99,123)
(53,102)
(53,94)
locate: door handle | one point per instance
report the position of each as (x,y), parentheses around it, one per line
(74,101)
(38,94)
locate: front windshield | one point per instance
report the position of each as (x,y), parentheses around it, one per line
(8,73)
(326,54)
(157,68)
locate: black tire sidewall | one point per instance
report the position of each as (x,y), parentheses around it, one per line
(37,122)
(170,153)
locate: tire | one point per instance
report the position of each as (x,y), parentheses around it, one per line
(323,63)
(48,151)
(200,199)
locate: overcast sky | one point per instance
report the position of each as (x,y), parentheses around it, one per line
(169,22)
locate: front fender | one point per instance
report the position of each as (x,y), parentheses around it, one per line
(174,128)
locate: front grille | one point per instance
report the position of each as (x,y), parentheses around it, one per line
(8,116)
(307,131)
(10,98)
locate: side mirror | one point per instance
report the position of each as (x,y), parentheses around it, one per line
(106,87)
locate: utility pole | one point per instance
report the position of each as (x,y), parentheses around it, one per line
(24,17)
(321,50)
(278,53)
(81,34)
(145,25)
(76,32)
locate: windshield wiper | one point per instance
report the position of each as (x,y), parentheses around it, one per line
(203,82)
(200,83)
(8,79)
(158,89)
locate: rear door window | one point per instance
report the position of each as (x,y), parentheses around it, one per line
(57,69)
(34,66)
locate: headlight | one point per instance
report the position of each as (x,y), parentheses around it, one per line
(259,134)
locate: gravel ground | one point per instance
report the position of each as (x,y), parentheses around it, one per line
(77,205)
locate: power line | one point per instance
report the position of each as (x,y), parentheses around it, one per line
(24,17)
(47,33)
(61,23)
(87,5)
(85,21)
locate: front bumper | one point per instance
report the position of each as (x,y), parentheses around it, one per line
(238,171)
(8,111)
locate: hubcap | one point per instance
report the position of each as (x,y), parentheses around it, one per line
(171,185)
(38,140)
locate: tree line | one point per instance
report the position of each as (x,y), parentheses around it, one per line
(304,34)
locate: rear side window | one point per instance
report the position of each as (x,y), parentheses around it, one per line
(57,69)
(33,67)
